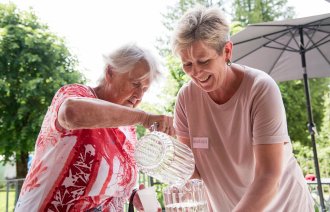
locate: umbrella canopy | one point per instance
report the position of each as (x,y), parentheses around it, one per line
(274,47)
(289,50)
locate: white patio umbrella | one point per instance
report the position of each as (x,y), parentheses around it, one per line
(289,50)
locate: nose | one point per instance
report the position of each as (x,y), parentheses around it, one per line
(195,70)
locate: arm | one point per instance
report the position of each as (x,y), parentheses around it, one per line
(186,141)
(268,170)
(80,113)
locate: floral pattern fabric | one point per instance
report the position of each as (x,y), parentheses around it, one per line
(79,170)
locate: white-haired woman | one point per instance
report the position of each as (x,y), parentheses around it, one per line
(239,134)
(84,153)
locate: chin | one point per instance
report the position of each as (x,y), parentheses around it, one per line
(129,105)
(204,88)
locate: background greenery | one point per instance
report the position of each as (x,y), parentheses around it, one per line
(11,200)
(35,62)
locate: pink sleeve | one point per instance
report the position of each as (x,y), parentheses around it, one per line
(72,90)
(180,117)
(268,114)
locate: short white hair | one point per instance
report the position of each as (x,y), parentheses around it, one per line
(124,58)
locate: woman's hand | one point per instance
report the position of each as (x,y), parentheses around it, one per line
(137,202)
(162,123)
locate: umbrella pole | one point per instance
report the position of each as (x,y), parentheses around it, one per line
(311,125)
(311,129)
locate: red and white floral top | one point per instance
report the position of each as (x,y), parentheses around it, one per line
(79,170)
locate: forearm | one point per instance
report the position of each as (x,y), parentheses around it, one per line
(258,195)
(81,113)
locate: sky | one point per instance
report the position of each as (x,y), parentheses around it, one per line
(93,28)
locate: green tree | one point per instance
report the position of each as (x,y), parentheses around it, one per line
(325,128)
(324,137)
(255,11)
(294,99)
(304,154)
(34,63)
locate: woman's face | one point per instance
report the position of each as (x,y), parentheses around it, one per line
(128,88)
(204,65)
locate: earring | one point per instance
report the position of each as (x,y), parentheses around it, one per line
(228,62)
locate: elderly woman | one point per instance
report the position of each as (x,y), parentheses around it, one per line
(239,134)
(84,152)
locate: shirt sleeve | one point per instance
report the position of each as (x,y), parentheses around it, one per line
(268,114)
(65,92)
(180,116)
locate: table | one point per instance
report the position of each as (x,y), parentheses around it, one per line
(325,182)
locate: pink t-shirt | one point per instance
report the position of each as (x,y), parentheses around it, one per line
(77,170)
(222,139)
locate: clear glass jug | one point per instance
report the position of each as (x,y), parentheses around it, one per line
(164,158)
(187,197)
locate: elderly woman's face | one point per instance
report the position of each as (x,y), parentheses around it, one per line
(128,88)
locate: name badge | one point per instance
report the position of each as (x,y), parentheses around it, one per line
(200,143)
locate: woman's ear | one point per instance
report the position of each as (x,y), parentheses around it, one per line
(108,73)
(228,50)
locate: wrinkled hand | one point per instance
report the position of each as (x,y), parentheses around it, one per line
(163,123)
(137,202)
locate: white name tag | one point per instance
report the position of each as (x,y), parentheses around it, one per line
(200,143)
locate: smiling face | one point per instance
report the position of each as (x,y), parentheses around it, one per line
(128,88)
(204,65)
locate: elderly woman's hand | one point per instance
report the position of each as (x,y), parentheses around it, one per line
(138,204)
(162,123)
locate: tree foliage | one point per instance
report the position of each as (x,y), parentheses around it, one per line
(293,94)
(304,154)
(34,63)
(255,11)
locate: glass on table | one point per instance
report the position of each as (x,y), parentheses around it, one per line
(187,197)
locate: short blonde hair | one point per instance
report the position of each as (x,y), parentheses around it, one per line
(200,23)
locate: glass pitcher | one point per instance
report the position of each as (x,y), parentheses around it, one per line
(164,158)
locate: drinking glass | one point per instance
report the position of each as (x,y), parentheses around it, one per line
(187,197)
